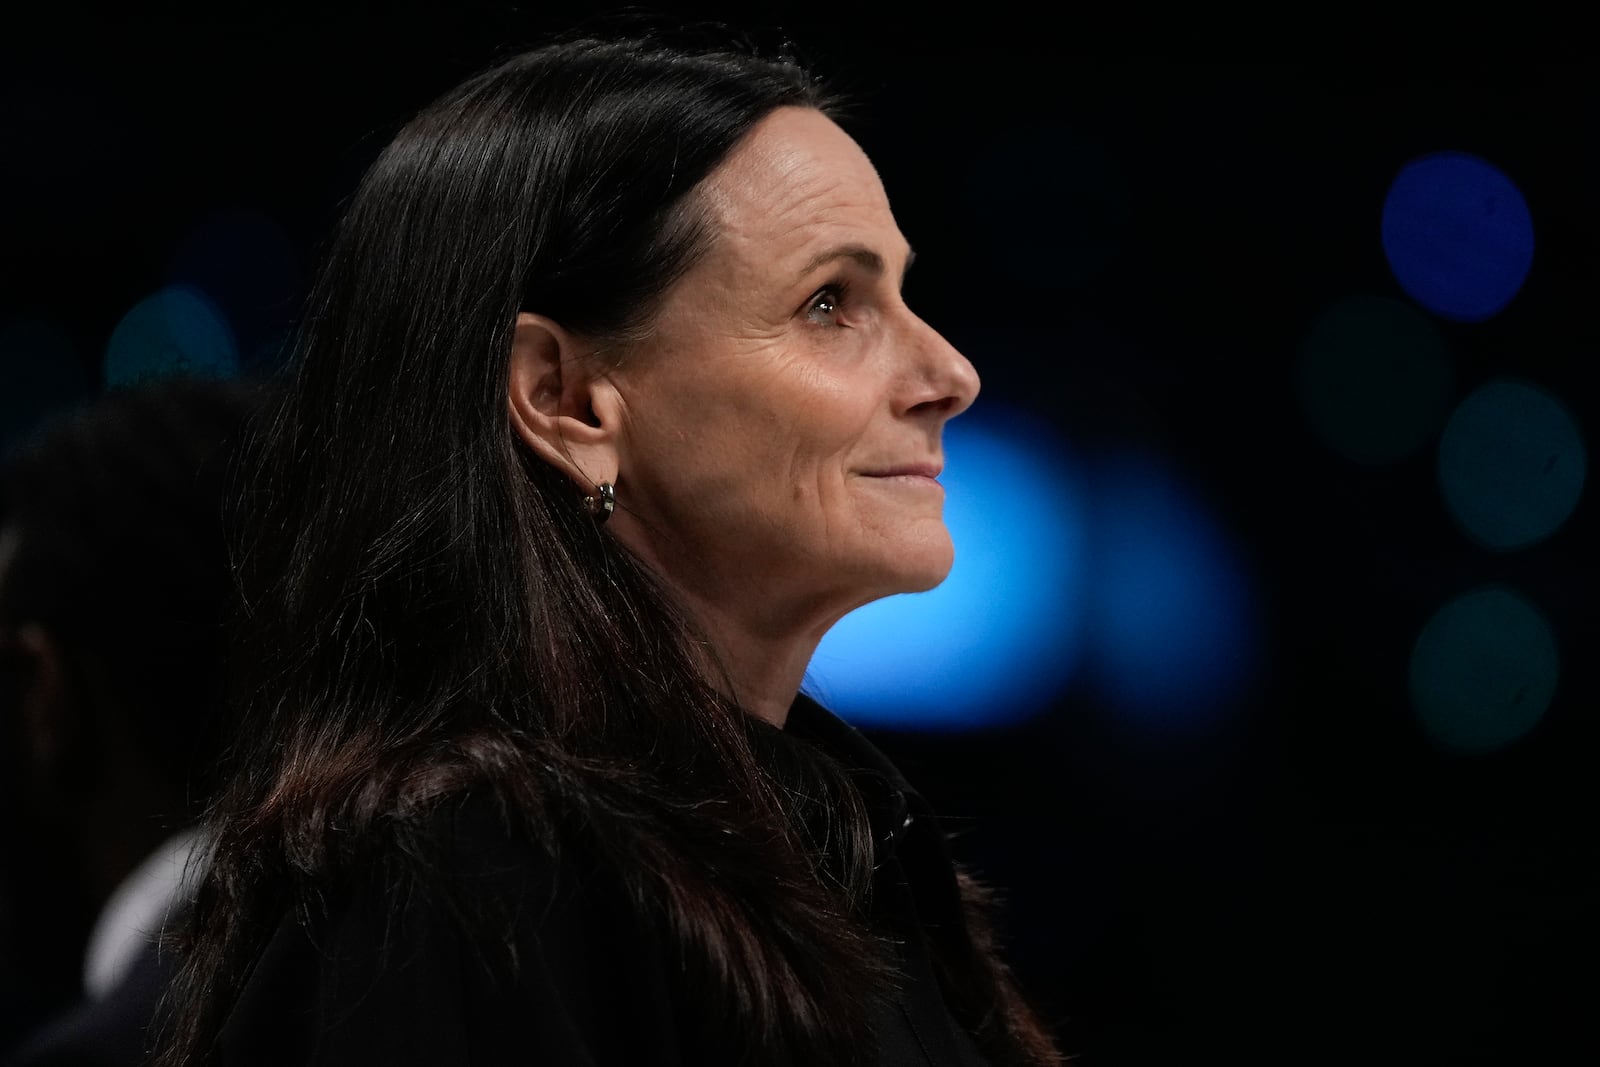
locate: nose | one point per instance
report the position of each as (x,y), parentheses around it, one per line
(945,382)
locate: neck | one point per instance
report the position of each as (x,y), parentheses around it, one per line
(760,643)
(758,667)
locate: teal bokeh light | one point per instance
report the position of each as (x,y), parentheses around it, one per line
(1512,464)
(246,264)
(1483,671)
(1001,637)
(1374,379)
(39,374)
(176,332)
(1458,235)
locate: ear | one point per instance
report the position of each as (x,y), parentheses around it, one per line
(564,410)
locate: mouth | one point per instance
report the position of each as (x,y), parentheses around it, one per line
(930,471)
(916,478)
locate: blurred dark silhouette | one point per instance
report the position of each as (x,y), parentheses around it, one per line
(113,587)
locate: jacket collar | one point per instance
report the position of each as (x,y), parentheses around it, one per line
(903,822)
(814,722)
(893,806)
(912,852)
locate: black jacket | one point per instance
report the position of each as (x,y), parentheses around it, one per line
(595,984)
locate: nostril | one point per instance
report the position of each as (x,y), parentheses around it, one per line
(934,407)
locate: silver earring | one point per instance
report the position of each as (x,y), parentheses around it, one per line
(600,507)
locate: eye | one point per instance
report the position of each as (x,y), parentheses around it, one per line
(826,304)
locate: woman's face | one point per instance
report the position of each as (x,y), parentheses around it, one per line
(781,427)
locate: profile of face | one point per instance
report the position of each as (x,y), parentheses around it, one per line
(776,442)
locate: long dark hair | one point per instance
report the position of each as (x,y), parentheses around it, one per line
(428,609)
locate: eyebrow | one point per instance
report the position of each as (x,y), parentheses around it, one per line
(863,255)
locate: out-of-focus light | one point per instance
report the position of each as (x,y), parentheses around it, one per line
(1511,465)
(1458,235)
(1483,671)
(1374,379)
(1172,623)
(1053,206)
(39,374)
(177,332)
(246,264)
(998,640)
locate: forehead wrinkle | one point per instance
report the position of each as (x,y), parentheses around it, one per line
(847,197)
(785,245)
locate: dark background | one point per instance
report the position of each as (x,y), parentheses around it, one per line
(1314,881)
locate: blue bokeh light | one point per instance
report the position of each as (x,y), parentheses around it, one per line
(1458,235)
(1512,464)
(176,332)
(39,374)
(1001,637)
(1173,619)
(1483,671)
(1112,573)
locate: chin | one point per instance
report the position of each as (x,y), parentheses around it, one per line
(923,582)
(918,568)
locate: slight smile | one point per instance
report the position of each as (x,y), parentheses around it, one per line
(926,474)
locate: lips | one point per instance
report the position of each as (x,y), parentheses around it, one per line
(907,470)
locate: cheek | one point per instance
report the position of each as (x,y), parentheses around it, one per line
(800,437)
(826,422)
(760,442)
(825,454)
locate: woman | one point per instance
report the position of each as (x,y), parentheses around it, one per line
(606,408)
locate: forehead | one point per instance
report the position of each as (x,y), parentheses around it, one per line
(797,184)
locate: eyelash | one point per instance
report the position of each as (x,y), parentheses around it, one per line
(833,293)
